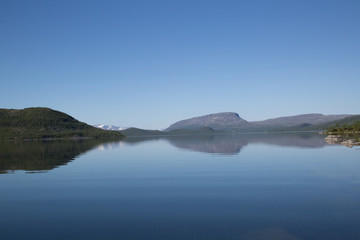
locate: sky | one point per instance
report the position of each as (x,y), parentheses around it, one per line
(148,64)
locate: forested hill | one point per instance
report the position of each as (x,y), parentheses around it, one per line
(35,123)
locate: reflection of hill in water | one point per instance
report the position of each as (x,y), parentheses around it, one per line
(232,144)
(221,144)
(47,155)
(41,155)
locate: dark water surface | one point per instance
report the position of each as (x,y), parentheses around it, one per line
(237,187)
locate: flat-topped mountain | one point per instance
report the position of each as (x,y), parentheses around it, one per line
(216,121)
(34,123)
(229,121)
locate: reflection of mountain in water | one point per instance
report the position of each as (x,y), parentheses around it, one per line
(301,140)
(221,144)
(43,155)
(47,155)
(232,144)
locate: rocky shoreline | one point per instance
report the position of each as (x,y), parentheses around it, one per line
(343,140)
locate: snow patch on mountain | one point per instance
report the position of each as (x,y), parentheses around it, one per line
(110,127)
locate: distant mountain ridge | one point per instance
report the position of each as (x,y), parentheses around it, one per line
(230,121)
(322,126)
(313,118)
(35,123)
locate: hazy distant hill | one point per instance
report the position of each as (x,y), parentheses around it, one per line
(233,122)
(321,126)
(132,132)
(312,119)
(347,120)
(32,123)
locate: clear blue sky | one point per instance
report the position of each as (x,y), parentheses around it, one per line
(151,63)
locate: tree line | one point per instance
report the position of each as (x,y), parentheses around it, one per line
(345,128)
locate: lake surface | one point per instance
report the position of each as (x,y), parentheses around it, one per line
(237,187)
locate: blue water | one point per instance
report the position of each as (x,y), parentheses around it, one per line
(259,187)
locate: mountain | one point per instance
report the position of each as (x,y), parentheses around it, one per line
(322,126)
(312,119)
(216,121)
(35,123)
(229,121)
(347,120)
(109,127)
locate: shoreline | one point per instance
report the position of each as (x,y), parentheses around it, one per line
(344,140)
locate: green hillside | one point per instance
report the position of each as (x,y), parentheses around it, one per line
(345,128)
(35,123)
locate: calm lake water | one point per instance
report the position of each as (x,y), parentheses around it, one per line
(238,187)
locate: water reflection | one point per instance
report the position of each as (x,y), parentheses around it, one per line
(37,156)
(152,190)
(218,144)
(232,144)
